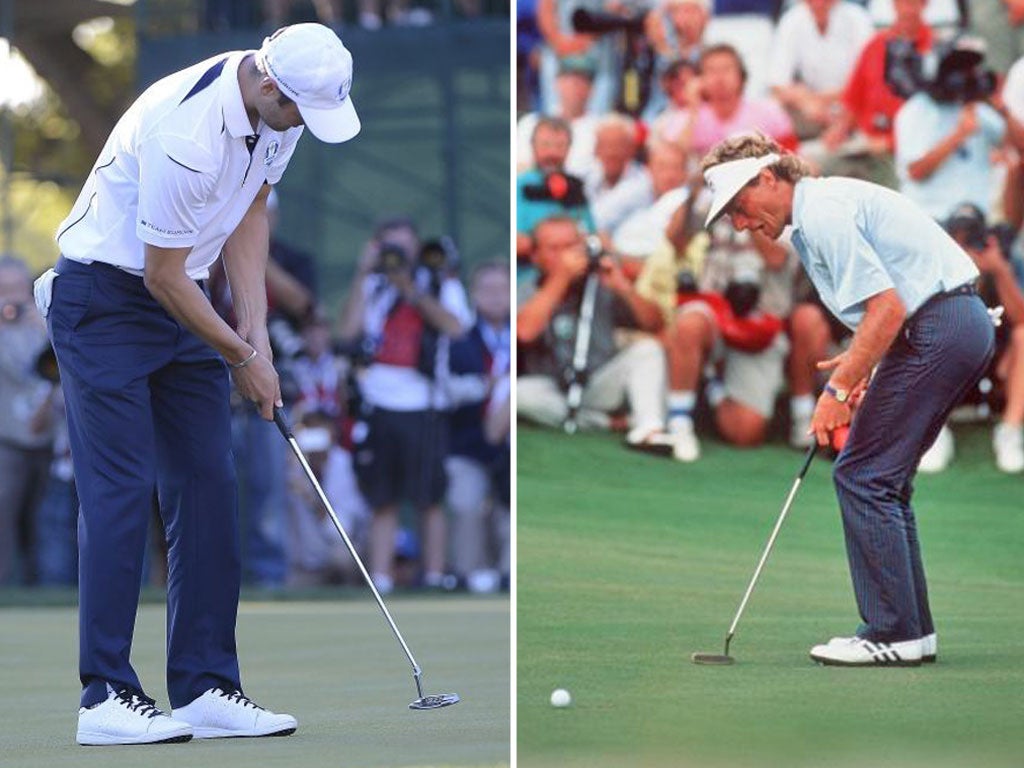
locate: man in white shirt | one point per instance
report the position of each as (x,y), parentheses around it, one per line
(145,359)
(616,184)
(817,43)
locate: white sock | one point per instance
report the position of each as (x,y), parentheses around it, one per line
(801,406)
(680,405)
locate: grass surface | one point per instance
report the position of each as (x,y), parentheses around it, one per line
(628,564)
(334,665)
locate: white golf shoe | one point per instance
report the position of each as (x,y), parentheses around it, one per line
(858,652)
(127,718)
(221,714)
(930,648)
(1008,445)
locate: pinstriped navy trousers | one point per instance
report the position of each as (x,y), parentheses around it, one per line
(147,408)
(941,351)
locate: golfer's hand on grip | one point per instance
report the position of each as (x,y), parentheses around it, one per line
(259,383)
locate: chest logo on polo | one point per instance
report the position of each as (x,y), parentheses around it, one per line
(272,148)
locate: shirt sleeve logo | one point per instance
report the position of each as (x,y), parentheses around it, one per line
(272,148)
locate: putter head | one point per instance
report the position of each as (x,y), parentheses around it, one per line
(717,659)
(435,701)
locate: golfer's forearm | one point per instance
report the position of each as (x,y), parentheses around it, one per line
(882,322)
(184,300)
(245,262)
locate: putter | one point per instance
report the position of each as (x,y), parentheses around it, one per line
(434,701)
(581,350)
(724,657)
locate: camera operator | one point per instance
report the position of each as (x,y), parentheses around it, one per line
(561,41)
(675,29)
(402,311)
(26,423)
(859,139)
(989,248)
(947,130)
(621,364)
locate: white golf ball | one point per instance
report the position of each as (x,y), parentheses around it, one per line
(560,698)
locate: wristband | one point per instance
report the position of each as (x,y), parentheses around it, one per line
(245,362)
(840,395)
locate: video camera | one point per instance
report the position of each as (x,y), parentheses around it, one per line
(597,23)
(951,72)
(562,188)
(968,227)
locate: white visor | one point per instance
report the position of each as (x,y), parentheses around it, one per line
(727,179)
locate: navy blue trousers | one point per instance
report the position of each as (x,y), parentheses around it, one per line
(147,408)
(941,351)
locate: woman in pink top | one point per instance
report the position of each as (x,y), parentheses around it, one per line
(718,108)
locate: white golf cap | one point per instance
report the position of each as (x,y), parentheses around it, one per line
(727,179)
(313,68)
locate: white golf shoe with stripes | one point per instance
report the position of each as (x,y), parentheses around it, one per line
(858,652)
(219,714)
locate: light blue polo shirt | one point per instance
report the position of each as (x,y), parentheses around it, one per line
(857,239)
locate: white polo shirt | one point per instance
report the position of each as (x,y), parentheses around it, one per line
(176,172)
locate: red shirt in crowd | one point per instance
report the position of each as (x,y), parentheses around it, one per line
(867,97)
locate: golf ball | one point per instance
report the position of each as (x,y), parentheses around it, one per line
(560,698)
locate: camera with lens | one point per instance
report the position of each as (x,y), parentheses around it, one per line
(562,188)
(598,23)
(968,227)
(391,258)
(951,72)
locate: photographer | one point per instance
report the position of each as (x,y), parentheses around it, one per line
(946,132)
(26,423)
(989,248)
(621,364)
(402,312)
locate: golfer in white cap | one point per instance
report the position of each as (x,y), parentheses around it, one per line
(906,289)
(145,364)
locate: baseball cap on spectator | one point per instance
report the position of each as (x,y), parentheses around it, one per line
(727,179)
(312,67)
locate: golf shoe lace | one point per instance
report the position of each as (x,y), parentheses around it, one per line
(239,698)
(141,705)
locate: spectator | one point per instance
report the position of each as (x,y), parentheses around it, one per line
(402,313)
(317,371)
(732,321)
(478,362)
(724,110)
(817,43)
(561,41)
(639,234)
(573,83)
(316,552)
(748,26)
(26,423)
(869,106)
(528,41)
(535,197)
(945,139)
(616,185)
(676,32)
(683,100)
(633,370)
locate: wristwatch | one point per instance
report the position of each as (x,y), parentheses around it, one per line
(840,395)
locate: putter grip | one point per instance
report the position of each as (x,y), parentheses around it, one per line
(282,422)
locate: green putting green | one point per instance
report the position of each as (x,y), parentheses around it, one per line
(627,564)
(333,664)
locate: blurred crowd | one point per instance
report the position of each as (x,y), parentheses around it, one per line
(221,15)
(632,317)
(401,406)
